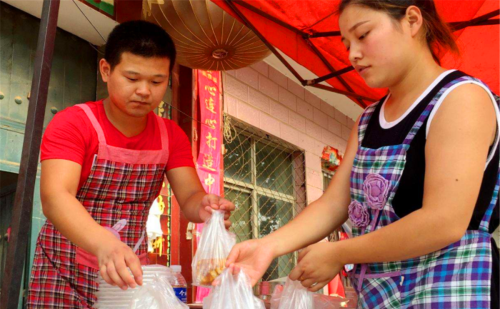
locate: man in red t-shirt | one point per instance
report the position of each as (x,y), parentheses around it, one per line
(103,165)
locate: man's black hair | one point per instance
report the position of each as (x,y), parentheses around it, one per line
(140,38)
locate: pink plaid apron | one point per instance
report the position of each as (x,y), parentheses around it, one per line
(122,185)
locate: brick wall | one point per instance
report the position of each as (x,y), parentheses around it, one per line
(265,98)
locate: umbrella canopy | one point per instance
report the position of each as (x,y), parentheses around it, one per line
(307,31)
(205,36)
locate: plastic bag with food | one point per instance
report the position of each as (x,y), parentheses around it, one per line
(232,292)
(214,247)
(157,294)
(296,296)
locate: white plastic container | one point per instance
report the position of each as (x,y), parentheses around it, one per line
(112,297)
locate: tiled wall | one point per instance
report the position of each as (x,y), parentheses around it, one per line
(265,98)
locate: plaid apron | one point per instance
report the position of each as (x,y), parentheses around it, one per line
(458,276)
(123,184)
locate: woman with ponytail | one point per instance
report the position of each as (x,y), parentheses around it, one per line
(419,182)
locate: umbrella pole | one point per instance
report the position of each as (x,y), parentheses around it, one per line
(23,204)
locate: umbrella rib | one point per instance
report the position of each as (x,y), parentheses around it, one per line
(346,93)
(199,23)
(329,66)
(328,76)
(350,91)
(324,34)
(188,29)
(459,25)
(464,24)
(172,26)
(269,45)
(237,34)
(321,19)
(231,31)
(211,24)
(265,15)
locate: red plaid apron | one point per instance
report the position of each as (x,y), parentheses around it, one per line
(123,183)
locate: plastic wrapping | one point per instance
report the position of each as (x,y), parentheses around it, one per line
(233,292)
(157,294)
(328,302)
(276,296)
(112,297)
(214,247)
(296,296)
(320,301)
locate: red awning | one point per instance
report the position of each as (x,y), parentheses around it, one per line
(307,32)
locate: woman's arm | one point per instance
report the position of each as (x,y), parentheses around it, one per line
(314,223)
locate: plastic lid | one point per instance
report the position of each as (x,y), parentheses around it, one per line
(176,268)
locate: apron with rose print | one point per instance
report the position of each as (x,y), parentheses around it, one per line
(458,276)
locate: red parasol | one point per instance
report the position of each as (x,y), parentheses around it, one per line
(307,31)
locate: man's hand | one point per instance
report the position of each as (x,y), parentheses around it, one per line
(212,202)
(195,203)
(115,257)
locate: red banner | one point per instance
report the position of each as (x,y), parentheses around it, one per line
(208,163)
(210,154)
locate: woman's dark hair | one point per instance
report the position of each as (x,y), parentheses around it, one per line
(140,38)
(437,33)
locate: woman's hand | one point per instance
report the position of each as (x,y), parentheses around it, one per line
(253,256)
(318,265)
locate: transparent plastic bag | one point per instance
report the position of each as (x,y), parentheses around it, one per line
(112,297)
(214,247)
(328,302)
(296,296)
(233,292)
(157,294)
(276,296)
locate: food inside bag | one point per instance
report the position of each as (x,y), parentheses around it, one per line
(234,291)
(157,294)
(296,296)
(214,247)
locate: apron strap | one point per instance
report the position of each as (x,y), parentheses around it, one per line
(94,122)
(485,222)
(365,120)
(441,95)
(164,136)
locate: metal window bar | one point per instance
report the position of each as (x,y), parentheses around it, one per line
(260,175)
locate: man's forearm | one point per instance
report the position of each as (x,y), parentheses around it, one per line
(73,221)
(191,208)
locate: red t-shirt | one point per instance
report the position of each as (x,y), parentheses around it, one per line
(71,136)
